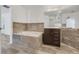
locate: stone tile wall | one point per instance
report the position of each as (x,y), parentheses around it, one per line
(71,37)
(18,27)
(35,27)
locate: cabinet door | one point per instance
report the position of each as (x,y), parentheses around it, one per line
(51,37)
(46,39)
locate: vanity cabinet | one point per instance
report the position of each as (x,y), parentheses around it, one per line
(51,37)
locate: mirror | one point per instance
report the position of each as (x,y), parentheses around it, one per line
(54,19)
(65,18)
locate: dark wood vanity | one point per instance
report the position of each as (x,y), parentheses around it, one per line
(51,36)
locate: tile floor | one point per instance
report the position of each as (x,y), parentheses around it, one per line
(64,49)
(45,49)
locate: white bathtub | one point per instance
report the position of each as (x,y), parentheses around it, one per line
(29,33)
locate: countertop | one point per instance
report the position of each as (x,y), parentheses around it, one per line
(53,27)
(26,22)
(60,28)
(29,33)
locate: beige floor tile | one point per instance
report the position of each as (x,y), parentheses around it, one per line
(45,49)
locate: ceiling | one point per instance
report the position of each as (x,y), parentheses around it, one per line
(54,9)
(72,9)
(62,9)
(33,6)
(47,8)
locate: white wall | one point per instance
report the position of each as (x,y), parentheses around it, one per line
(73,15)
(46,21)
(6,22)
(0,16)
(19,13)
(27,13)
(49,23)
(70,23)
(36,14)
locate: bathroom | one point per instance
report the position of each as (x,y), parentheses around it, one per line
(39,29)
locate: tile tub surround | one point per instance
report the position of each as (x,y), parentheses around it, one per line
(18,27)
(28,40)
(39,27)
(71,37)
(29,33)
(4,41)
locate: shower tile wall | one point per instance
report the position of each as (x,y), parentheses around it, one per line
(71,37)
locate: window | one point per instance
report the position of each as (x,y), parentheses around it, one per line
(70,23)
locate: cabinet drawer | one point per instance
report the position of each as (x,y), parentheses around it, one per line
(56,38)
(52,37)
(56,35)
(56,43)
(56,32)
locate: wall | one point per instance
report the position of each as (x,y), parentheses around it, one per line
(46,21)
(27,13)
(39,27)
(70,23)
(19,14)
(73,15)
(51,21)
(19,27)
(0,16)
(36,14)
(71,37)
(6,22)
